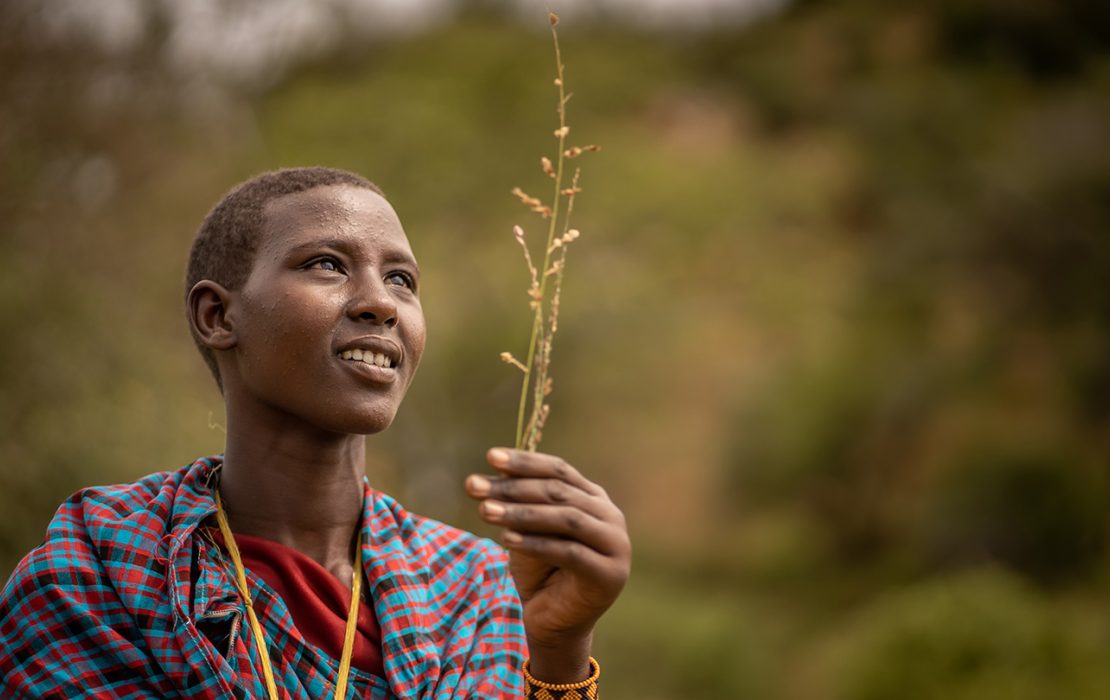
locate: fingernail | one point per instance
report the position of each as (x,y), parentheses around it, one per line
(511,537)
(498,457)
(479,485)
(493,510)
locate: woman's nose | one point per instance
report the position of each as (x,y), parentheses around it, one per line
(371,301)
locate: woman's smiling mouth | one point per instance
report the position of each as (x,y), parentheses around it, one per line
(367,357)
(367,365)
(373,357)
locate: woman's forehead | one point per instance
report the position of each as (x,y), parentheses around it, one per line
(335,212)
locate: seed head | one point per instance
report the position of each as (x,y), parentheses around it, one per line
(508,358)
(531,202)
(544,295)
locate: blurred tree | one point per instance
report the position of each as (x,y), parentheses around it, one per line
(1043,515)
(981,635)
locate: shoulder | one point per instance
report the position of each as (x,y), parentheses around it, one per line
(442,548)
(80,610)
(101,525)
(131,513)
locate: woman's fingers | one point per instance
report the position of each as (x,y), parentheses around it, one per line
(568,554)
(551,491)
(525,490)
(520,463)
(534,477)
(563,521)
(552,512)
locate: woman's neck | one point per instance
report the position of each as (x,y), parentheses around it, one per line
(302,491)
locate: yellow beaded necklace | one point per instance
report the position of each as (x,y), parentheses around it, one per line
(256,628)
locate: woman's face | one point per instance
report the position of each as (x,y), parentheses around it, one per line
(329,324)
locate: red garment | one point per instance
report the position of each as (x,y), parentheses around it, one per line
(317,600)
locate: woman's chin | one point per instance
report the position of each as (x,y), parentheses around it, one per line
(368,423)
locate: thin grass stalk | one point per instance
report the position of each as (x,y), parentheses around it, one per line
(542,384)
(537,322)
(536,383)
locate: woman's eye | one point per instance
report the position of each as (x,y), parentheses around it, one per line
(400,278)
(326,264)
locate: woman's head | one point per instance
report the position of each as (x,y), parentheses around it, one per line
(303,299)
(227,240)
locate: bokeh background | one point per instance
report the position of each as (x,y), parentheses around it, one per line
(836,334)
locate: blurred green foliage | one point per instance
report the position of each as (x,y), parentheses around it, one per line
(1043,515)
(973,636)
(836,335)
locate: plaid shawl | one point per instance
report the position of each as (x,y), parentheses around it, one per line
(128,597)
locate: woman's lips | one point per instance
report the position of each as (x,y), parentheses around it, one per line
(371,358)
(368,367)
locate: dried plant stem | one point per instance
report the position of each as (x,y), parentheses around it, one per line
(542,386)
(536,383)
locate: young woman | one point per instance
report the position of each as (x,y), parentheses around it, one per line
(275,570)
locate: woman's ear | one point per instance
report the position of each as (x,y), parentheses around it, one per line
(208,306)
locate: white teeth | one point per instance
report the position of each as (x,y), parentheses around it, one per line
(376,359)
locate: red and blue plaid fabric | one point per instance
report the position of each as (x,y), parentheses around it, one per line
(129,597)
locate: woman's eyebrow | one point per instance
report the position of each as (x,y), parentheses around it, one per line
(401,256)
(316,244)
(346,245)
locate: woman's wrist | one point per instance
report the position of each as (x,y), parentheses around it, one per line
(565,661)
(586,689)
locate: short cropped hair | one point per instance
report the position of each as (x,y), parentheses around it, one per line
(225,245)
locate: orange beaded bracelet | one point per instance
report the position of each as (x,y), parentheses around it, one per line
(582,690)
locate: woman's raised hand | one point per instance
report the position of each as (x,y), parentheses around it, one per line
(569,553)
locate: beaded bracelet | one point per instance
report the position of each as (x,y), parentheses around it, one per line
(582,690)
